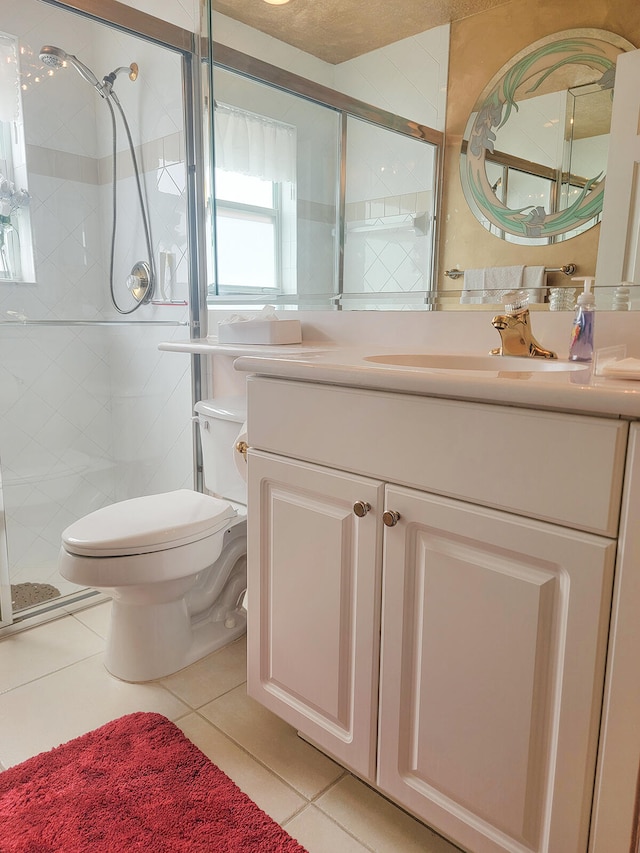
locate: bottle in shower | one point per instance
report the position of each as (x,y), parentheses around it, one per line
(581,346)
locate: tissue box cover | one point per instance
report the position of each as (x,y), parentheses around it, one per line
(260,332)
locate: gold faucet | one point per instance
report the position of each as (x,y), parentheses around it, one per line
(515,332)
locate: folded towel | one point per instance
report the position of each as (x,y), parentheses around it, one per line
(534,281)
(503,278)
(493,282)
(473,281)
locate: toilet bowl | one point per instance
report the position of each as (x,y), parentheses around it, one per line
(173,563)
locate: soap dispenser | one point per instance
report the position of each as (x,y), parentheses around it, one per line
(581,346)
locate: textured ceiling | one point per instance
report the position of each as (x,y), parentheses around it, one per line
(338,30)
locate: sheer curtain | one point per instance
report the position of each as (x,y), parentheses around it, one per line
(252,144)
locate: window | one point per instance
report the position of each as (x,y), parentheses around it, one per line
(16,256)
(254,186)
(343,210)
(248,214)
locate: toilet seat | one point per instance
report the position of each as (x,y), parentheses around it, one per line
(148,524)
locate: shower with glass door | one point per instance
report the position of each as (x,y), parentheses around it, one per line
(92,411)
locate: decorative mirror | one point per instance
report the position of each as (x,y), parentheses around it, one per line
(534,152)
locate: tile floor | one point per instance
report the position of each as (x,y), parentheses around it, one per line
(53,687)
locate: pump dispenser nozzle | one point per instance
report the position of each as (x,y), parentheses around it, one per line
(586,297)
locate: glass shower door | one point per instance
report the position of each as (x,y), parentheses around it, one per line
(5,583)
(91,412)
(390,202)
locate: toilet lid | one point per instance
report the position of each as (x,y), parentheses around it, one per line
(147,524)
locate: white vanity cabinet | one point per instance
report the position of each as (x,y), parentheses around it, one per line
(492,658)
(314,635)
(430,584)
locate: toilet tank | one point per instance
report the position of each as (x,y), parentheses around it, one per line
(220,421)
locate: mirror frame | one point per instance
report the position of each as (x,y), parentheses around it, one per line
(526,72)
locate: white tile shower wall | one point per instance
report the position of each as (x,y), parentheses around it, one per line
(386,263)
(70,265)
(385,166)
(388,210)
(522,134)
(182,13)
(408,77)
(54,440)
(92,414)
(152,103)
(268,49)
(151,414)
(154,110)
(59,112)
(164,183)
(87,420)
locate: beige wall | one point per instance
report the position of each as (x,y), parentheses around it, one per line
(480,46)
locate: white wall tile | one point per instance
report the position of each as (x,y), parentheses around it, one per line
(255,43)
(66,390)
(182,13)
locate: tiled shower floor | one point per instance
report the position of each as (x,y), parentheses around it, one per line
(25,595)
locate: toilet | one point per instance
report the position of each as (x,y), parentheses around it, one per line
(175,563)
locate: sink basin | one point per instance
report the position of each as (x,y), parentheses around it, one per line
(493,363)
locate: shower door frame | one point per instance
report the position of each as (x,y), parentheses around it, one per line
(5,579)
(189,46)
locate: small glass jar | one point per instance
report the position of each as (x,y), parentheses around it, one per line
(621,298)
(562,298)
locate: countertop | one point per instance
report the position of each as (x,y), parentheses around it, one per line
(206,346)
(572,391)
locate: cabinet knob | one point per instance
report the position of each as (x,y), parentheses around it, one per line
(361,508)
(391,517)
(242,447)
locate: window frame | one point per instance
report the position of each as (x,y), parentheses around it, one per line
(13,167)
(274,214)
(224,58)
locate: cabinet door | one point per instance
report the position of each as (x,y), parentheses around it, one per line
(493,644)
(314,603)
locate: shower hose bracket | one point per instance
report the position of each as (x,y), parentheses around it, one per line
(139,282)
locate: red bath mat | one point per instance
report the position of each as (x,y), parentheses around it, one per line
(136,784)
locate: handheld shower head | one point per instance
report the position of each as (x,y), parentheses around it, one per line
(55,57)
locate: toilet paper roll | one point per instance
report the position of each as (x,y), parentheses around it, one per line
(240,458)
